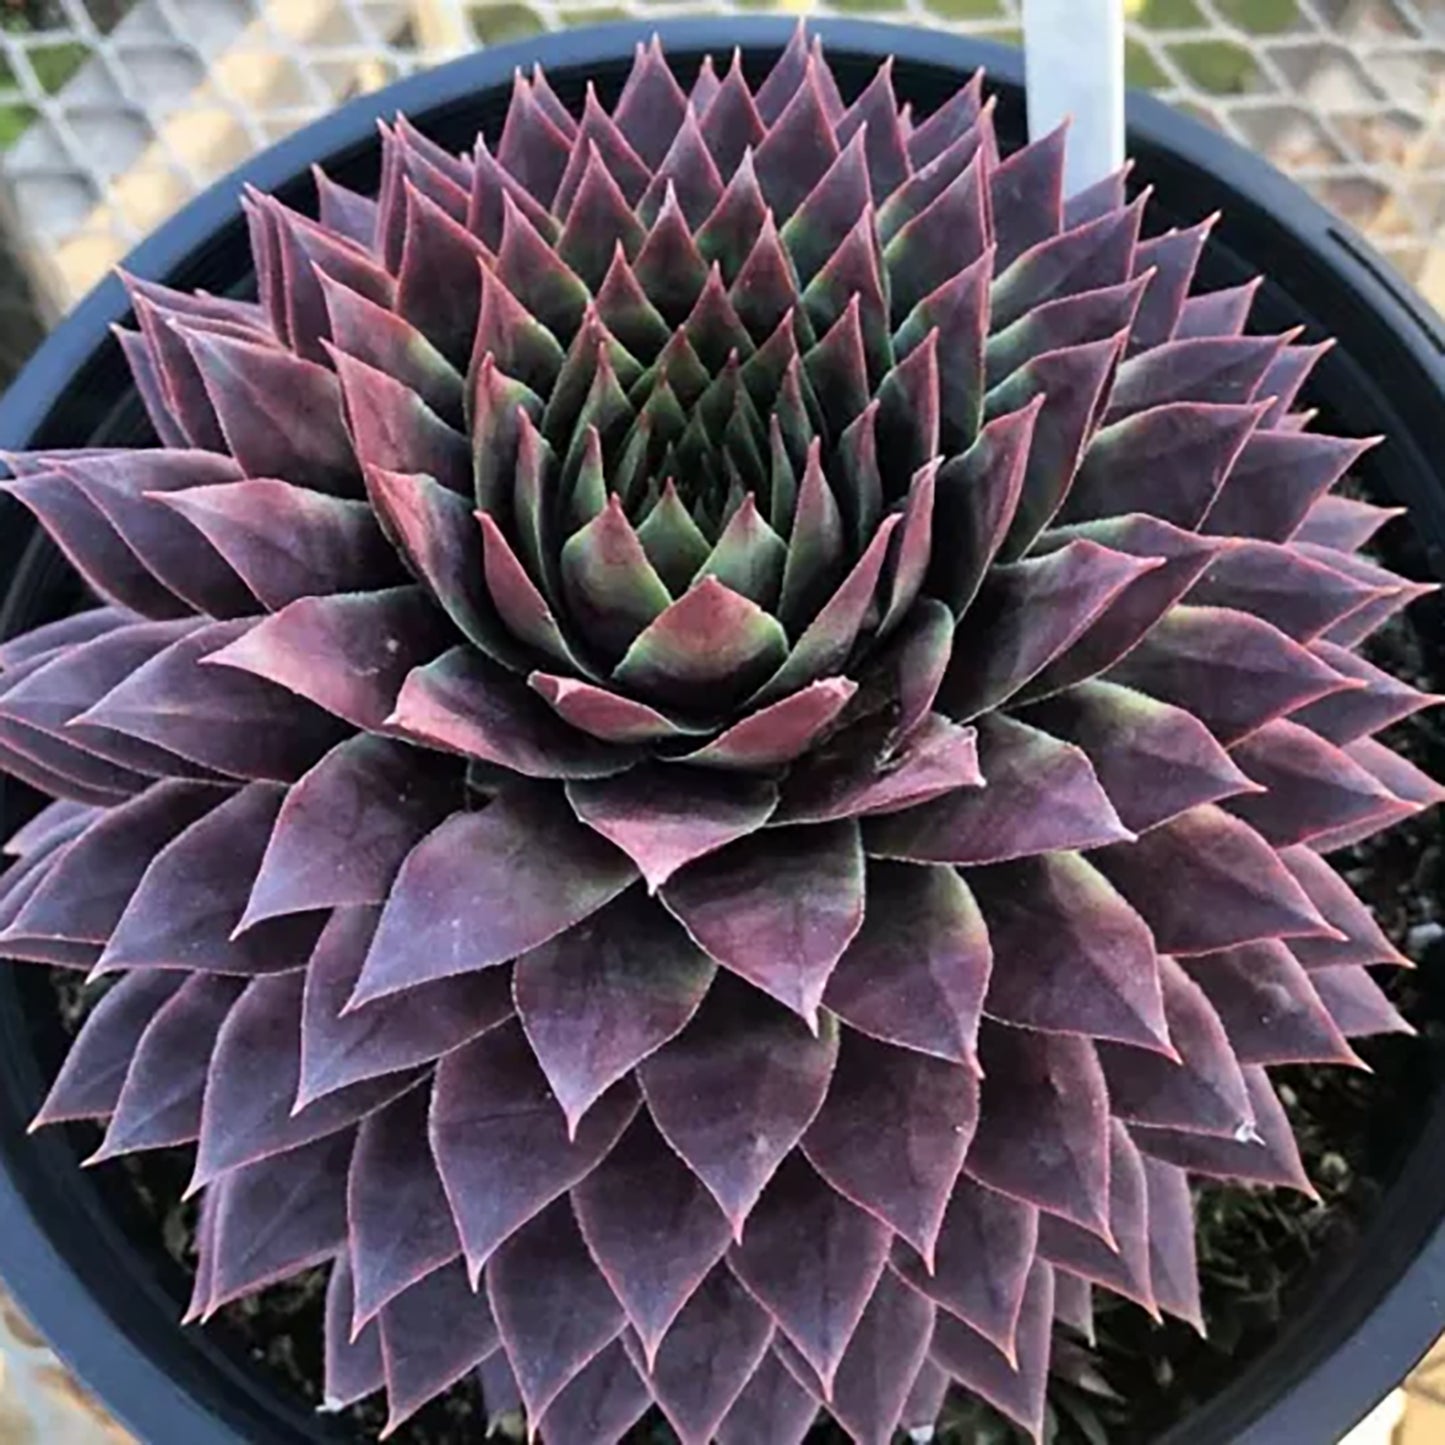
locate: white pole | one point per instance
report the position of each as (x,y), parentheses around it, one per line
(1074,68)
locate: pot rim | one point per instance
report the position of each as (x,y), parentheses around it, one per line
(1383,1311)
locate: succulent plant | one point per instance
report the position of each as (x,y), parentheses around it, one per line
(704,758)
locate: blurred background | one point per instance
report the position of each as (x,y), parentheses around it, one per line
(113,113)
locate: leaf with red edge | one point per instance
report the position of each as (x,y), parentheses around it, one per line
(1169,461)
(91,545)
(553,1308)
(981,1263)
(1357,1004)
(93,1074)
(1027,614)
(1153,760)
(773,1406)
(84,893)
(1362,939)
(464,702)
(598,1405)
(340,1047)
(345,827)
(1269,1007)
(892,1133)
(1124,1269)
(1312,788)
(1275,480)
(501,1142)
(248,1111)
(486,886)
(278,1216)
(218,717)
(286,542)
(1200,1088)
(735,1091)
(431,1336)
(1016,1391)
(1070,955)
(348,653)
(776,914)
(281,415)
(1221,370)
(798,147)
(1344,523)
(711,1351)
(1173,1267)
(190,899)
(653,1229)
(778,733)
(1346,716)
(1268,1156)
(1234,672)
(916,973)
(160,1102)
(400,1226)
(1043,1125)
(352,1368)
(606,995)
(1205,881)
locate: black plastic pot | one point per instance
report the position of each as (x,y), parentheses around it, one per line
(110,1305)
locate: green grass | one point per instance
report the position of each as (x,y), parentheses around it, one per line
(55,64)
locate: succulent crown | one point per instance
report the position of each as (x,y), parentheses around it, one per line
(704,758)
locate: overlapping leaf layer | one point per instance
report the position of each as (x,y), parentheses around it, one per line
(705,758)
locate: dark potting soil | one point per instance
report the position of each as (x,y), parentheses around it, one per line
(1261,1251)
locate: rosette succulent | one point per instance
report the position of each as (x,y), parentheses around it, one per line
(704,756)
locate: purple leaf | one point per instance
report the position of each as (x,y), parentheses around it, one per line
(940,239)
(1124,1268)
(553,1309)
(1361,939)
(190,898)
(799,146)
(776,914)
(773,1406)
(281,415)
(925,1399)
(345,827)
(1039,795)
(1017,1390)
(218,717)
(716,1344)
(1269,1155)
(981,1263)
(1217,313)
(1357,1004)
(248,1110)
(1192,445)
(1344,523)
(1219,370)
(1269,1007)
(653,1229)
(598,1405)
(1346,716)
(84,893)
(160,1103)
(892,1133)
(875,113)
(1173,1270)
(606,995)
(278,1216)
(605,714)
(1027,614)
(1232,671)
(778,733)
(431,1336)
(484,887)
(1070,955)
(1027,195)
(916,973)
(341,1047)
(501,1143)
(347,653)
(93,1074)
(1205,881)
(735,1091)
(1153,760)
(467,704)
(1200,1088)
(400,1225)
(1043,1131)
(353,1368)
(288,542)
(688,167)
